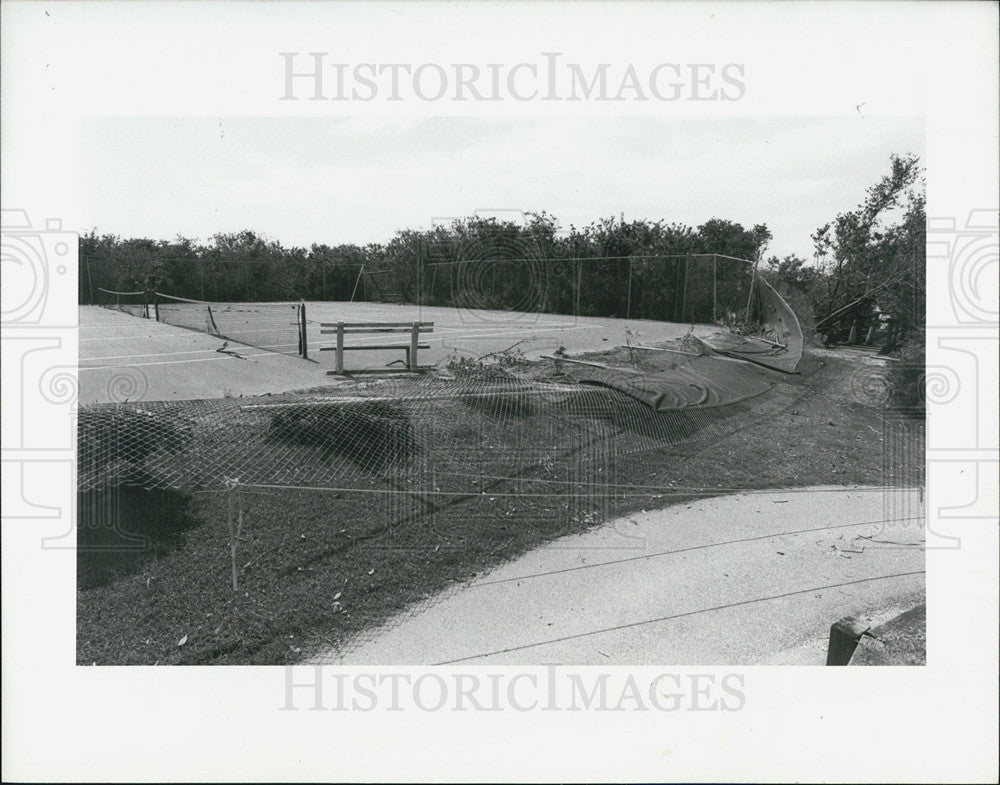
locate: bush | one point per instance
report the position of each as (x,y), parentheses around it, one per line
(905,378)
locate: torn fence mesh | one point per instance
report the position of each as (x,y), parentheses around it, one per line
(432,435)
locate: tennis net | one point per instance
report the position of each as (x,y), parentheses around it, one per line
(276,327)
(134,303)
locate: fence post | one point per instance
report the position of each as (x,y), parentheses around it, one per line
(753,280)
(628,306)
(579,284)
(235,525)
(90,281)
(715,296)
(357,281)
(684,290)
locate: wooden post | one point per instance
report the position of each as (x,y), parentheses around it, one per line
(414,340)
(340,347)
(235,526)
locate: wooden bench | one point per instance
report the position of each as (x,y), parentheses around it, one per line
(340,329)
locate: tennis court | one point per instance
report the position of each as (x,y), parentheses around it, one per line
(124,356)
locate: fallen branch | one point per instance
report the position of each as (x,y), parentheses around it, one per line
(501,351)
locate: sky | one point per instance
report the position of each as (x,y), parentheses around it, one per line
(358,180)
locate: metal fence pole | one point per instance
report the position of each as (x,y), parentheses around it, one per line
(684,291)
(753,280)
(628,306)
(715,296)
(579,284)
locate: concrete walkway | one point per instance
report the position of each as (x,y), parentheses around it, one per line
(753,578)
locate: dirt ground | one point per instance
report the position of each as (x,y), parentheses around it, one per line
(321,567)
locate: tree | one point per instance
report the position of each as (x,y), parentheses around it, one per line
(873,255)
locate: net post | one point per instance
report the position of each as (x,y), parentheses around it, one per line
(212,329)
(414,341)
(156,305)
(340,347)
(303,346)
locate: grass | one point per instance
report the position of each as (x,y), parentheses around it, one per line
(318,568)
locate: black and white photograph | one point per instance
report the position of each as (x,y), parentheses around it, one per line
(613,426)
(615,384)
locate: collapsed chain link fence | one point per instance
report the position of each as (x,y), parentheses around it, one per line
(429,436)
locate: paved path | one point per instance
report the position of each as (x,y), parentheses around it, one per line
(753,578)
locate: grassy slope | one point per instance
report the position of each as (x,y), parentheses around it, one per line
(322,566)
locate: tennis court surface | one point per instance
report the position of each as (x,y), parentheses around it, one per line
(127,357)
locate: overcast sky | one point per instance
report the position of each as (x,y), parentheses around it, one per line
(305,181)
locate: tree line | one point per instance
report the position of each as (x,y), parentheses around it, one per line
(612,267)
(867,268)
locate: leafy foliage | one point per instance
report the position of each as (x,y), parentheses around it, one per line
(612,267)
(869,262)
(906,379)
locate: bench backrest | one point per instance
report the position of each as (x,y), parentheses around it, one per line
(375,327)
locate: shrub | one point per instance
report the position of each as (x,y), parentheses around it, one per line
(906,378)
